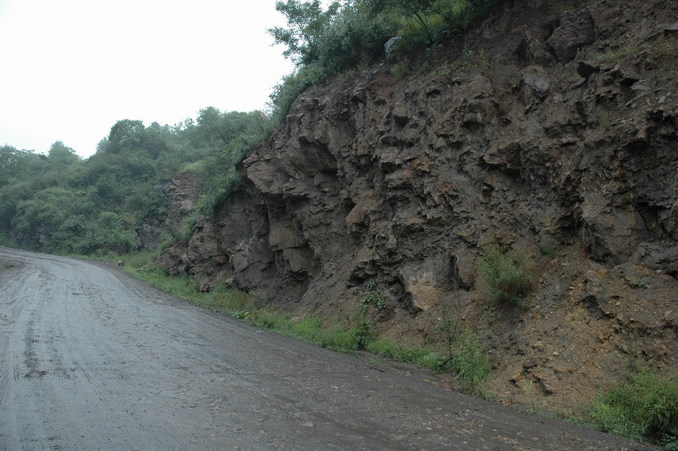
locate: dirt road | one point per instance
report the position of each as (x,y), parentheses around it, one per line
(92,359)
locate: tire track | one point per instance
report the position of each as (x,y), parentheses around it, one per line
(4,381)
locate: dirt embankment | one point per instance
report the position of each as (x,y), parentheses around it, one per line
(552,132)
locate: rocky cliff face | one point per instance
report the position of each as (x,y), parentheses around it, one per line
(552,133)
(181,194)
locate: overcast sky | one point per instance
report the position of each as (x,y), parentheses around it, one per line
(69,69)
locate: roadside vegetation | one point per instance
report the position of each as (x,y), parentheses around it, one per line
(463,355)
(643,406)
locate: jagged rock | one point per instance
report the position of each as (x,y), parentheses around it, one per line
(536,84)
(391,49)
(151,231)
(671,29)
(610,233)
(175,261)
(441,163)
(462,269)
(534,50)
(505,155)
(181,196)
(426,282)
(399,113)
(661,255)
(586,69)
(576,30)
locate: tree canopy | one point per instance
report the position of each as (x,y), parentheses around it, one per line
(305,24)
(61,203)
(350,34)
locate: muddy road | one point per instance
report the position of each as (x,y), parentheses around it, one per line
(92,359)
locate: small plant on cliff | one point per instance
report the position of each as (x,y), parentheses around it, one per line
(451,321)
(505,275)
(372,297)
(466,357)
(469,361)
(604,120)
(642,407)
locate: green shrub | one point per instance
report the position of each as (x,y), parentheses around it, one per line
(227,300)
(372,297)
(614,56)
(505,275)
(269,320)
(469,361)
(333,336)
(549,250)
(438,22)
(314,330)
(642,407)
(604,120)
(285,93)
(418,355)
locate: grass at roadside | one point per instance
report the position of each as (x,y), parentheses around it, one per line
(6,265)
(643,406)
(468,360)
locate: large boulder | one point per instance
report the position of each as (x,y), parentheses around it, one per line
(576,30)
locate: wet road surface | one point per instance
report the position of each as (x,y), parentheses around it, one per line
(92,359)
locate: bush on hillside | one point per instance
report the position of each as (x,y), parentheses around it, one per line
(505,276)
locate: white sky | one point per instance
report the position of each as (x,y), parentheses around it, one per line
(69,69)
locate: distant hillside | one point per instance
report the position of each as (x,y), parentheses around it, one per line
(113,202)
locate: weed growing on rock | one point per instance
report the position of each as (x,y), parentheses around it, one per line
(604,120)
(549,250)
(556,8)
(656,55)
(466,356)
(614,56)
(372,297)
(505,276)
(399,70)
(451,317)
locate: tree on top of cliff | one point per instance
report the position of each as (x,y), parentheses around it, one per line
(324,43)
(306,22)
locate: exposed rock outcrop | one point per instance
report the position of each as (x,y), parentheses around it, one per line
(558,133)
(181,196)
